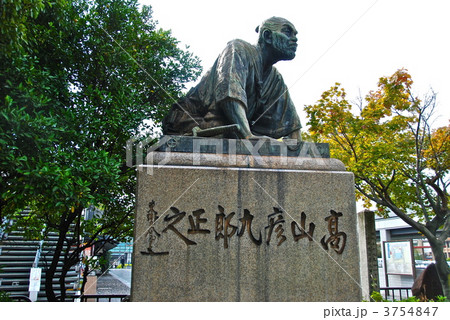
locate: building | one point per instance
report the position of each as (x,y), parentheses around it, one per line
(395,229)
(121,255)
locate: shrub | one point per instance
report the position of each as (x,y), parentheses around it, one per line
(4,297)
(377,297)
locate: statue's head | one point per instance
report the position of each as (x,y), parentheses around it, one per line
(280,35)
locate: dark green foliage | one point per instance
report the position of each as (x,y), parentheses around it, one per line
(4,297)
(377,297)
(76,82)
(104,261)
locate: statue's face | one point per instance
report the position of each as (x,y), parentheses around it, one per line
(285,41)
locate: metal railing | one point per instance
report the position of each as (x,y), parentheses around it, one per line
(396,293)
(81,298)
(19,298)
(98,298)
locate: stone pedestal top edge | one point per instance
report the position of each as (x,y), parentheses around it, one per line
(243,161)
(263,147)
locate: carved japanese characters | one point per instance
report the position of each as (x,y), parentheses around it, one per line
(223,226)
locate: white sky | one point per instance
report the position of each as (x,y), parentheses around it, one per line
(346,41)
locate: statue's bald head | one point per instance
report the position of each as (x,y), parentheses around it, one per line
(277,39)
(272,24)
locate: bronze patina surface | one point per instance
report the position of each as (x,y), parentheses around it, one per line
(243,88)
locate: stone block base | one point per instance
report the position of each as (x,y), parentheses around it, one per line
(245,231)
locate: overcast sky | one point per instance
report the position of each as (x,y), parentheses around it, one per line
(351,42)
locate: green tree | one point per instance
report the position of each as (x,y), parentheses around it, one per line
(77,82)
(15,16)
(400,164)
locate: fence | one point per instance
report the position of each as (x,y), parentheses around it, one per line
(396,293)
(83,298)
(99,298)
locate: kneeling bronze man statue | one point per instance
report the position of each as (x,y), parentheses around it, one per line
(242,96)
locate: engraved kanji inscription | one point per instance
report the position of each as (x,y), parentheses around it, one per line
(197,224)
(246,224)
(224,229)
(301,233)
(195,221)
(151,234)
(177,217)
(276,222)
(336,240)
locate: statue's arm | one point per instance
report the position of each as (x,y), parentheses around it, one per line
(235,112)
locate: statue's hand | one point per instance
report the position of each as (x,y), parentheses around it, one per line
(252,136)
(296,135)
(294,140)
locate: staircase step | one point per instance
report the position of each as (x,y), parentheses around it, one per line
(17,254)
(8,258)
(11,251)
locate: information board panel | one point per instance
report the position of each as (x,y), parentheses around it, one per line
(398,257)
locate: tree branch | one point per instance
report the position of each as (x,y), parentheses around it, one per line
(384,200)
(441,195)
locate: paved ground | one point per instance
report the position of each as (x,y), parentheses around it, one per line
(114,282)
(123,275)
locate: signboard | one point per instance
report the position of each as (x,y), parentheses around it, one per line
(399,258)
(35,279)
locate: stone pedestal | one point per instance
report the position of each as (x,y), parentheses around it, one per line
(368,253)
(221,227)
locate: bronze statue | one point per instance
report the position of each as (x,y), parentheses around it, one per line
(243,95)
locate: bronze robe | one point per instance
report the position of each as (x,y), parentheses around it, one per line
(236,75)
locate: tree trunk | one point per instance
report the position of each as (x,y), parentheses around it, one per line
(62,283)
(64,225)
(50,273)
(85,275)
(442,267)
